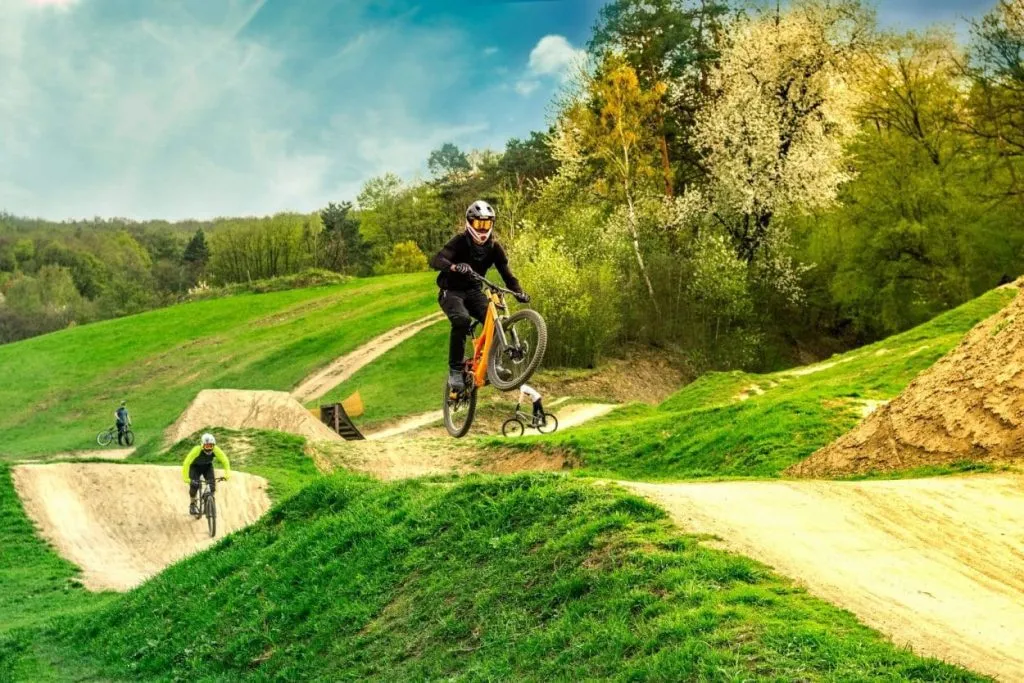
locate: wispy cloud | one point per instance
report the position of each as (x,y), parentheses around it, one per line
(53,3)
(551,58)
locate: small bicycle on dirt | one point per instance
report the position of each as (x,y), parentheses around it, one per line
(506,353)
(105,437)
(208,506)
(515,426)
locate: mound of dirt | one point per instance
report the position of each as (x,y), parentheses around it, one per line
(121,524)
(968,406)
(647,375)
(240,409)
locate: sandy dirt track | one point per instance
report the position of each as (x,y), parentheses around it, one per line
(121,524)
(322,381)
(935,564)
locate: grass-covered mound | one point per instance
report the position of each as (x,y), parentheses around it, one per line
(530,577)
(741,425)
(60,389)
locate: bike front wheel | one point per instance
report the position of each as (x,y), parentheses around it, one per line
(459,411)
(526,339)
(104,438)
(129,437)
(550,424)
(211,516)
(512,427)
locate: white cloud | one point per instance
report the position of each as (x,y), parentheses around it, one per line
(62,4)
(488,51)
(552,57)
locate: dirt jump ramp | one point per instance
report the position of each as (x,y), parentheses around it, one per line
(241,409)
(933,563)
(322,381)
(121,524)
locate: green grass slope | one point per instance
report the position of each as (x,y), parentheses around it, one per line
(526,578)
(60,389)
(706,431)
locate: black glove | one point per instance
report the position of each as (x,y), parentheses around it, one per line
(522,297)
(463,268)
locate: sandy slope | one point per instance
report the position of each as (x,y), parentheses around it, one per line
(122,524)
(322,381)
(932,563)
(242,409)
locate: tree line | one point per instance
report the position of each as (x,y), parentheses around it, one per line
(750,187)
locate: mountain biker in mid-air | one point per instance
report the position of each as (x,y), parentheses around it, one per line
(122,420)
(199,462)
(472,251)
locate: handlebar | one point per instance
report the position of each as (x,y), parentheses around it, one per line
(491,285)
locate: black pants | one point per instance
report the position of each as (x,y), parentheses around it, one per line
(196,470)
(120,432)
(461,307)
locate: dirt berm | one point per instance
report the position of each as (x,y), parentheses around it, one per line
(241,409)
(121,524)
(968,406)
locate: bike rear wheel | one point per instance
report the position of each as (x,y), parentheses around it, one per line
(551,424)
(512,427)
(104,438)
(459,411)
(512,363)
(211,515)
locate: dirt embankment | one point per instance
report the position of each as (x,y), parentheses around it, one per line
(241,409)
(121,524)
(931,563)
(968,406)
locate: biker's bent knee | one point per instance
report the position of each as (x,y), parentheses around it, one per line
(461,323)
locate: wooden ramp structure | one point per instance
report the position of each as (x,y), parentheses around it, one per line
(338,416)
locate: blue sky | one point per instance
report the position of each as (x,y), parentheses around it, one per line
(199,108)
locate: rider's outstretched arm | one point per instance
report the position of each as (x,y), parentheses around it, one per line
(223,459)
(501,263)
(443,259)
(192,455)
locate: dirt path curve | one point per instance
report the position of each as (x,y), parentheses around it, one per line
(121,524)
(933,563)
(325,379)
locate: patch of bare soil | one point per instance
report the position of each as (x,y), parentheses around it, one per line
(121,524)
(968,406)
(325,379)
(646,375)
(99,454)
(932,563)
(241,409)
(391,459)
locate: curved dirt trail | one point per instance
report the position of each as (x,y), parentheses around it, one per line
(325,379)
(935,564)
(121,524)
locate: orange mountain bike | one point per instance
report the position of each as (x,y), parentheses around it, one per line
(506,353)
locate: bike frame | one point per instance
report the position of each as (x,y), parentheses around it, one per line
(482,344)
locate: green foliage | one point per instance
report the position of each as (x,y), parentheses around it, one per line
(59,389)
(523,577)
(342,248)
(447,159)
(196,252)
(740,425)
(311,277)
(406,257)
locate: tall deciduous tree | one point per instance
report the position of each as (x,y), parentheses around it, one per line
(782,110)
(611,127)
(665,41)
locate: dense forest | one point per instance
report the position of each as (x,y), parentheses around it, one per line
(748,187)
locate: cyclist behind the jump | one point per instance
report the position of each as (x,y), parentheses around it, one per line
(199,462)
(528,393)
(473,251)
(122,420)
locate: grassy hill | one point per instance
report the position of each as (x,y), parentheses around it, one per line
(528,577)
(742,425)
(60,389)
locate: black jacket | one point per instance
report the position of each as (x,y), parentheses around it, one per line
(480,257)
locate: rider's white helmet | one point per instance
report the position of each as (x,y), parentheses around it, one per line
(208,439)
